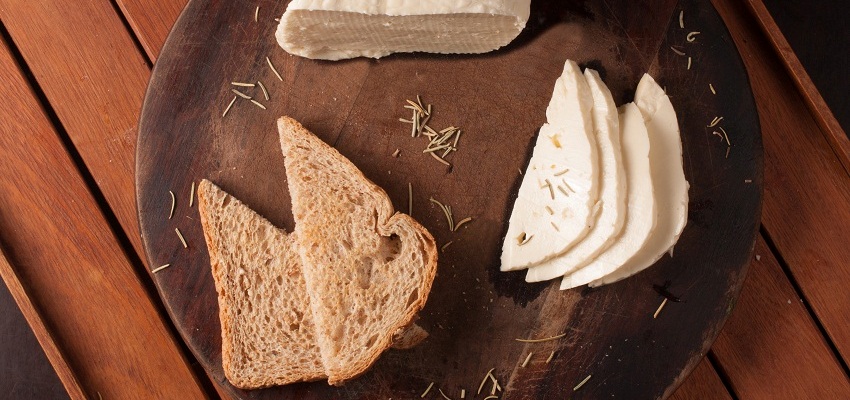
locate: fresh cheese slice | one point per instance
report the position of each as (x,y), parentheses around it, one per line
(612,191)
(668,175)
(336,29)
(641,212)
(557,200)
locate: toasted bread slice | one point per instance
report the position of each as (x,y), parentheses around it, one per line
(368,270)
(267,331)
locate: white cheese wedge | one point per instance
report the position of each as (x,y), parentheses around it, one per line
(668,175)
(641,211)
(612,191)
(337,29)
(555,205)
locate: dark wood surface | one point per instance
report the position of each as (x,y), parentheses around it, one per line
(354,105)
(818,35)
(744,367)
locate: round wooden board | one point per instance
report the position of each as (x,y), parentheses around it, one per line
(474,312)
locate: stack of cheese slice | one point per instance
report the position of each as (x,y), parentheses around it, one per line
(604,195)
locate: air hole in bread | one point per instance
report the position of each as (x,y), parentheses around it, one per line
(371,341)
(412,298)
(279,280)
(390,247)
(364,273)
(346,244)
(225,201)
(294,327)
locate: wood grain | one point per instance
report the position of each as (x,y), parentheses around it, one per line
(829,125)
(351,105)
(807,196)
(702,384)
(770,348)
(151,20)
(94,79)
(65,254)
(44,336)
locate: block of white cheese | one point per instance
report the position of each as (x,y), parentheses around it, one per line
(641,210)
(337,29)
(668,175)
(555,207)
(612,190)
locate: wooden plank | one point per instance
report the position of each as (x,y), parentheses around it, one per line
(39,328)
(771,348)
(95,80)
(817,105)
(151,21)
(27,373)
(807,196)
(702,384)
(78,276)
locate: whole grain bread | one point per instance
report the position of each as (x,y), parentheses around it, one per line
(368,269)
(267,332)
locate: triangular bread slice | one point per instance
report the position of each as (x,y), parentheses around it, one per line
(267,331)
(368,269)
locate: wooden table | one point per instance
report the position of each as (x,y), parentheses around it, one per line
(73,75)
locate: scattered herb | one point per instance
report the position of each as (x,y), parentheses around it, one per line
(689,62)
(447,211)
(463,393)
(748,181)
(263,88)
(240,94)
(555,226)
(256,13)
(728,148)
(489,374)
(682,19)
(463,221)
(396,153)
(443,394)
(549,209)
(692,36)
(428,389)
(410,199)
(173,203)
(445,246)
(258,104)
(580,384)
(551,356)
(658,311)
(180,235)
(242,84)
(160,268)
(714,122)
(491,397)
(192,195)
(562,172)
(710,86)
(677,51)
(277,74)
(527,358)
(541,340)
(725,136)
(228,106)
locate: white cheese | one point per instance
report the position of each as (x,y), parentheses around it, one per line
(336,29)
(641,212)
(554,208)
(612,192)
(668,175)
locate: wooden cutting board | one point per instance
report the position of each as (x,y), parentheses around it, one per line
(474,313)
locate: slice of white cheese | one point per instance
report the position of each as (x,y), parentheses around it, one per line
(641,211)
(337,29)
(612,191)
(555,205)
(668,175)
